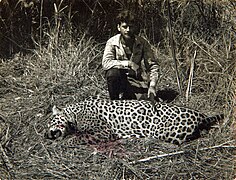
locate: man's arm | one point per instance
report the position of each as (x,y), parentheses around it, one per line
(109,58)
(152,66)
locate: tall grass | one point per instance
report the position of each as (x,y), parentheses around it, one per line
(67,59)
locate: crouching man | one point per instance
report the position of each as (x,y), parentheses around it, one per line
(129,62)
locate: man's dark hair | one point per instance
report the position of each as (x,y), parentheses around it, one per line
(126,16)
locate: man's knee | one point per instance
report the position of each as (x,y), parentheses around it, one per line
(113,73)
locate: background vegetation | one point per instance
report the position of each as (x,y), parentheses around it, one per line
(51,54)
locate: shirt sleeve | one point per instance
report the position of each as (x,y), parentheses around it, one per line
(109,58)
(151,63)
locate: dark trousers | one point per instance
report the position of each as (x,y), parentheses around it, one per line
(118,83)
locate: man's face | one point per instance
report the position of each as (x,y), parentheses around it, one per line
(127,30)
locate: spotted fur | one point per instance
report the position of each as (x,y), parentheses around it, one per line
(105,119)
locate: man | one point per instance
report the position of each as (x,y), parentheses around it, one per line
(129,61)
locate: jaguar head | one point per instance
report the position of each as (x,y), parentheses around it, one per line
(58,125)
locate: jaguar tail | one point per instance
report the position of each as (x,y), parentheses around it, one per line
(211,120)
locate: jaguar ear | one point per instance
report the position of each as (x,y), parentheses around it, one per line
(56,110)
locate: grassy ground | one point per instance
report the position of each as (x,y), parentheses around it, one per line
(65,72)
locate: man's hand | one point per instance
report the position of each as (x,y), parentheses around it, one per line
(151,91)
(133,66)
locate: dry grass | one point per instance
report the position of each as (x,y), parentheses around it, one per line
(73,73)
(66,71)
